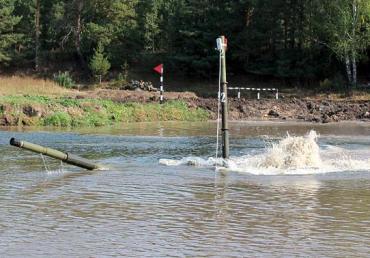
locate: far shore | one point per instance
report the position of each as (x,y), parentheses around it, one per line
(34,102)
(106,107)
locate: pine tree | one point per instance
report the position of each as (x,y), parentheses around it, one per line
(8,36)
(99,64)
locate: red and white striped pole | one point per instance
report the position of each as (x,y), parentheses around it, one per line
(159,69)
(161,88)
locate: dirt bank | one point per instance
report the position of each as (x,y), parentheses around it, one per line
(292,109)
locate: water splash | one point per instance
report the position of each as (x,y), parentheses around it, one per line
(292,155)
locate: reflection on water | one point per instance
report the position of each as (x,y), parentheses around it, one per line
(140,208)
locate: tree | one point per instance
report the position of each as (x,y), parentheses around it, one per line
(113,24)
(99,64)
(150,24)
(65,24)
(287,39)
(78,7)
(275,38)
(347,27)
(8,36)
(37,33)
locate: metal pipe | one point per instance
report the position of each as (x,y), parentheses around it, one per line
(65,157)
(225,125)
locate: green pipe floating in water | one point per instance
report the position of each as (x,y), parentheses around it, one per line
(65,157)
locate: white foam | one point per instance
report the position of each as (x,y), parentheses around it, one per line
(293,155)
(192,161)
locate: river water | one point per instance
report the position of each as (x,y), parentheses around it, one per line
(162,195)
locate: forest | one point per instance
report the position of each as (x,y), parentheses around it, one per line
(298,41)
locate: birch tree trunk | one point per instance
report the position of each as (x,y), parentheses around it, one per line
(348,69)
(354,22)
(354,70)
(78,30)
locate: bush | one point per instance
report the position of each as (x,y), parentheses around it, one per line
(64,80)
(119,82)
(58,119)
(326,84)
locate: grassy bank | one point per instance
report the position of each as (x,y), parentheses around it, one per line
(70,112)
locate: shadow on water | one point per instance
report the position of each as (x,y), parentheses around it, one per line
(54,179)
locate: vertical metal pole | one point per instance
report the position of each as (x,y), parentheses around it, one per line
(277,94)
(225,125)
(258,95)
(161,87)
(239,93)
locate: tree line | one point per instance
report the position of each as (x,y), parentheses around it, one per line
(301,40)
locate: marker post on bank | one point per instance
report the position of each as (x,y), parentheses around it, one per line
(222,47)
(159,69)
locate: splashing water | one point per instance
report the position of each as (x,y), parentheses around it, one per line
(292,155)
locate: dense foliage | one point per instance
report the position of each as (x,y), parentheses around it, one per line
(302,40)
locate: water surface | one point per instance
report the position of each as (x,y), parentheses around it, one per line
(140,208)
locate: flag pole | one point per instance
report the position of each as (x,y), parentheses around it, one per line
(159,69)
(161,87)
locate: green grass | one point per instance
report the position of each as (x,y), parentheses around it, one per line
(67,112)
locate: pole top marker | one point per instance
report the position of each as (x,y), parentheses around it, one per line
(221,43)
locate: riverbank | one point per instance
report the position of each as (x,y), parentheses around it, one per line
(319,109)
(80,111)
(109,107)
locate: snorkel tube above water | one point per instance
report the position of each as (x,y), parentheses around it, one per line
(65,157)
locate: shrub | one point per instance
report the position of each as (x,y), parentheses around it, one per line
(326,84)
(64,79)
(61,119)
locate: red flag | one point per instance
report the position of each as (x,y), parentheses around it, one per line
(159,69)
